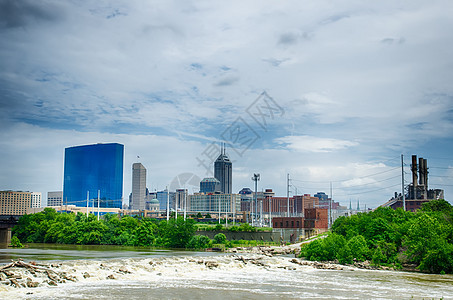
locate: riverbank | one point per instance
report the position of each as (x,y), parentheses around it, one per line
(326,265)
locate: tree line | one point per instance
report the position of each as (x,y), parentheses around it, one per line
(391,237)
(49,226)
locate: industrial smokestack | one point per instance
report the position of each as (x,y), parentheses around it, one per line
(425,173)
(421,173)
(414,170)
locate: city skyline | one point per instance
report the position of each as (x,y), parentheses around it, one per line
(343,91)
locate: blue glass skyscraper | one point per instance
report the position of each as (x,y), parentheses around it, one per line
(92,168)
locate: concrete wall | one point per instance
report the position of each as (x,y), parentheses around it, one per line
(5,236)
(277,235)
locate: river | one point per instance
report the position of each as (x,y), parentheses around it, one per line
(138,273)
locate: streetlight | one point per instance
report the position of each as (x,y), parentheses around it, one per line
(256,178)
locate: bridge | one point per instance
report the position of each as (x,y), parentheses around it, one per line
(7,222)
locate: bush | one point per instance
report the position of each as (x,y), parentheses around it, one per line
(199,242)
(220,238)
(358,247)
(15,242)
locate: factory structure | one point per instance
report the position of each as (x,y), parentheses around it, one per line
(417,192)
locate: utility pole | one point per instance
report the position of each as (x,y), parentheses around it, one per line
(261,211)
(270,211)
(176,204)
(99,192)
(251,211)
(219,209)
(88,197)
(234,209)
(168,204)
(402,183)
(255,178)
(287,196)
(330,206)
(185,204)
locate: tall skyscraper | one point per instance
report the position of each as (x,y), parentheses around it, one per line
(223,172)
(138,200)
(93,168)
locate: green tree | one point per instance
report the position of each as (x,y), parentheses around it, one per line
(437,205)
(199,242)
(178,232)
(144,233)
(220,238)
(15,242)
(358,247)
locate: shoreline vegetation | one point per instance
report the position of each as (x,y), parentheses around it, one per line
(384,239)
(49,226)
(390,239)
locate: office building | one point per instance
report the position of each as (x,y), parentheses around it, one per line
(55,198)
(94,168)
(223,172)
(181,199)
(209,203)
(246,199)
(15,203)
(138,200)
(162,198)
(209,185)
(35,199)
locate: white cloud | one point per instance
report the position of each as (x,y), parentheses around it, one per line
(314,144)
(364,79)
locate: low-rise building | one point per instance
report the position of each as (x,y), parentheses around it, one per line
(213,203)
(55,198)
(15,202)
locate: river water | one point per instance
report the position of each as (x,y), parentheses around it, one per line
(163,274)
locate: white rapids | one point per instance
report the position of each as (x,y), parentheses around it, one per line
(232,276)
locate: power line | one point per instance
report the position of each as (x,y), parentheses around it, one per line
(441,184)
(443,176)
(344,180)
(369,191)
(353,186)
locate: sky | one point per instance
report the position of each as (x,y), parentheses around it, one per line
(330,92)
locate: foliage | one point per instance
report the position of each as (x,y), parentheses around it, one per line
(244,227)
(219,238)
(49,226)
(199,242)
(391,237)
(15,242)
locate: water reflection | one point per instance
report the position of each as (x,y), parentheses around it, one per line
(74,252)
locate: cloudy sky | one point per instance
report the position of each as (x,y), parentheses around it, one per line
(327,91)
